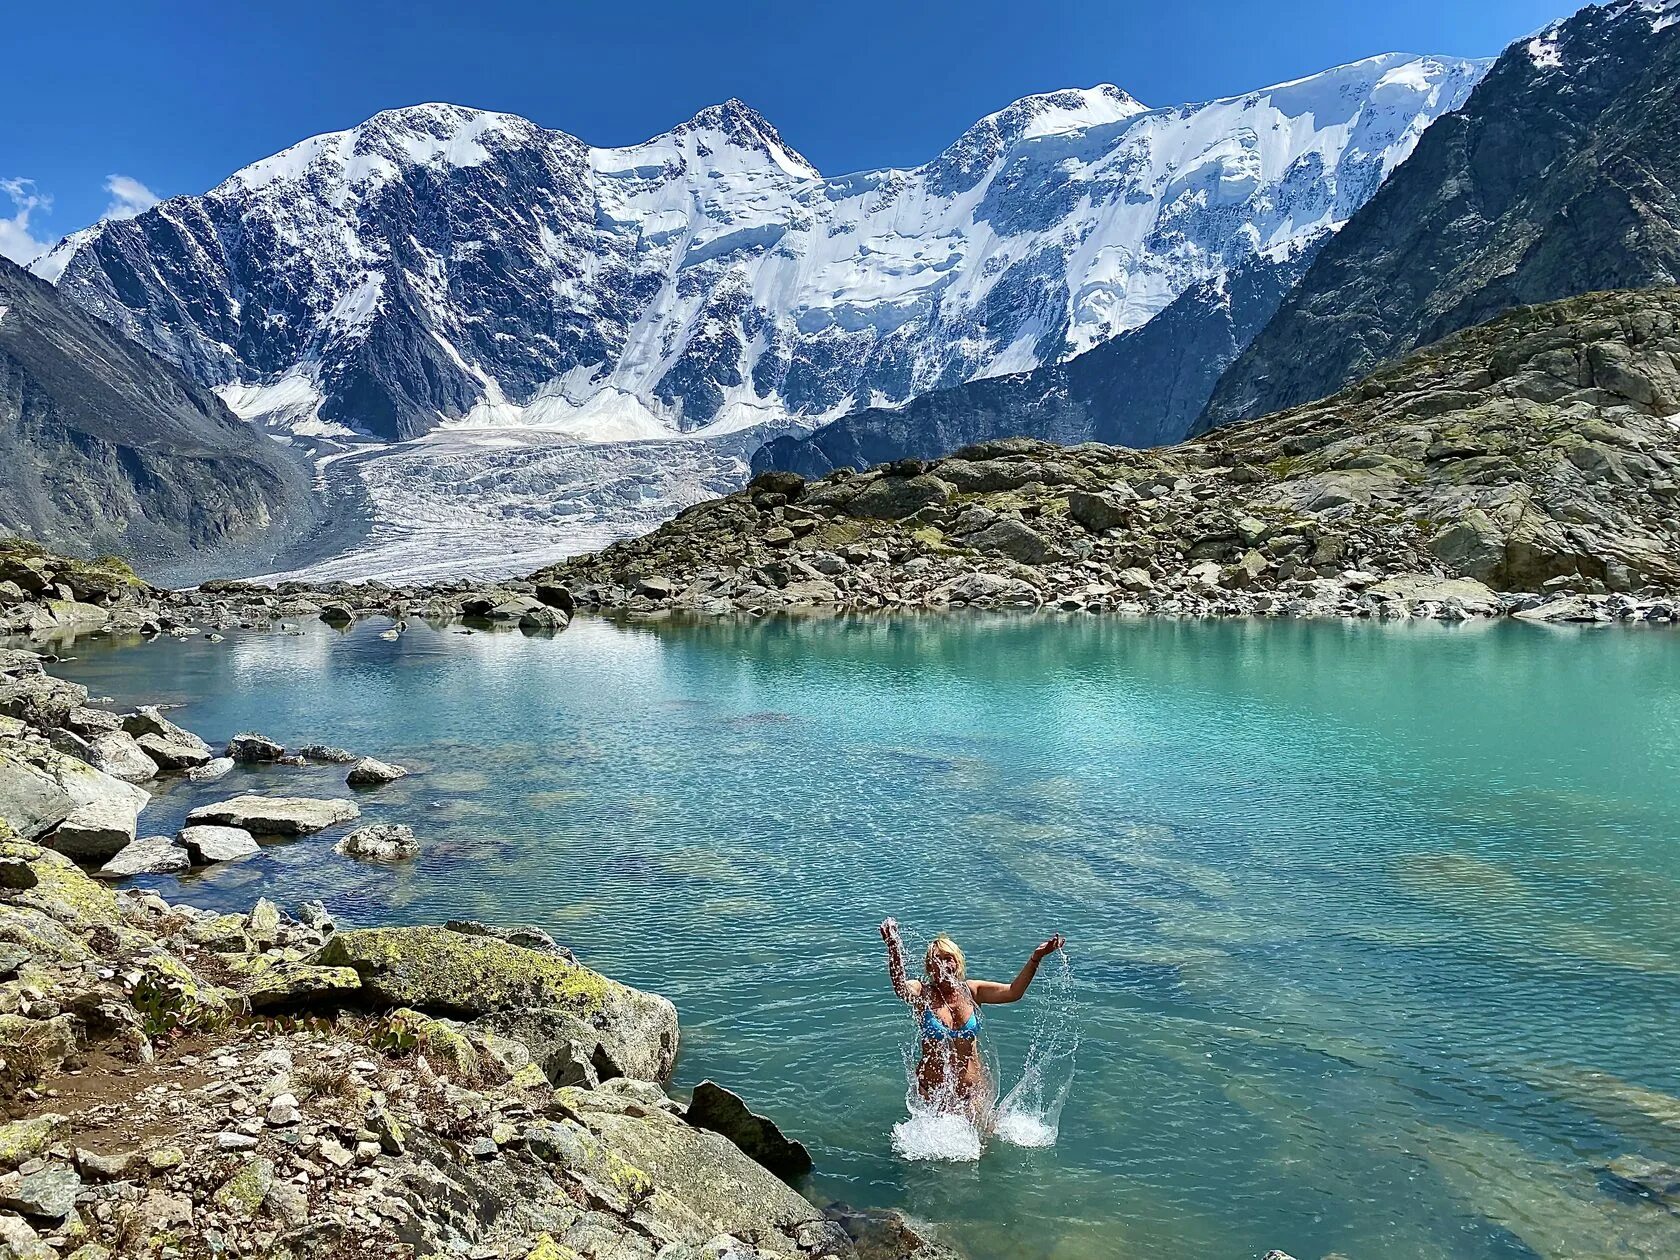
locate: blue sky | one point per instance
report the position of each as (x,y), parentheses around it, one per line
(111,102)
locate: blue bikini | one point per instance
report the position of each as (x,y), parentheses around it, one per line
(937,1030)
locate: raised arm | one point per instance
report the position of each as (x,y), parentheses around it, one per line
(906,988)
(994,994)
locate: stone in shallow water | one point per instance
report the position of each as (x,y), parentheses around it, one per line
(151,855)
(213,769)
(206,843)
(327,753)
(251,748)
(275,815)
(380,842)
(370,772)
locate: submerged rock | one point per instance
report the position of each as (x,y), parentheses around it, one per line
(327,753)
(380,842)
(276,815)
(211,770)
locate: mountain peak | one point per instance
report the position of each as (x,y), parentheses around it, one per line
(741,125)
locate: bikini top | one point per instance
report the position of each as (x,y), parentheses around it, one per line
(938,1030)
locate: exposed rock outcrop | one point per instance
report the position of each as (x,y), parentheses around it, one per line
(368,1128)
(1559,176)
(1531,455)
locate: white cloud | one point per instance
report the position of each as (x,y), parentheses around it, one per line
(16,242)
(129,197)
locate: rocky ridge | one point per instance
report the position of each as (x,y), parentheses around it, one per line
(1559,176)
(178,1084)
(1527,467)
(105,447)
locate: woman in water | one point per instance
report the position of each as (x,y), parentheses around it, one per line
(951,1075)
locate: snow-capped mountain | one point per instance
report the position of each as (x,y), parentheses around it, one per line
(444,265)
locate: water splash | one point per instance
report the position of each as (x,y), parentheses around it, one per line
(1029,1115)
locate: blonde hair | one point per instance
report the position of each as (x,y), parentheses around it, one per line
(946,942)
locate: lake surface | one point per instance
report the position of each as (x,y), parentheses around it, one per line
(1374,930)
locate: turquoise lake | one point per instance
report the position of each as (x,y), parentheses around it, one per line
(1374,930)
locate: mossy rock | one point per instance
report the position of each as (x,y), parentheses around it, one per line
(243,1193)
(61,889)
(268,983)
(548,1249)
(24,1139)
(435,970)
(170,998)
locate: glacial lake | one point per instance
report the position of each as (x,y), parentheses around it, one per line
(1374,931)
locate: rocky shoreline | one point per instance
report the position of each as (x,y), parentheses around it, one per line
(1528,467)
(184,1084)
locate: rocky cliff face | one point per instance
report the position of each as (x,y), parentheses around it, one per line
(1559,176)
(441,263)
(1144,388)
(104,447)
(1528,465)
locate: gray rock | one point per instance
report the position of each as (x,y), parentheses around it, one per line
(96,832)
(48,1193)
(211,770)
(40,786)
(207,843)
(380,842)
(119,755)
(1096,512)
(250,748)
(722,1111)
(327,753)
(1010,537)
(275,815)
(894,498)
(174,754)
(150,855)
(369,772)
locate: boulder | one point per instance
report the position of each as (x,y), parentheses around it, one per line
(444,972)
(268,983)
(722,1111)
(275,815)
(119,755)
(174,754)
(249,748)
(380,842)
(1010,537)
(1096,512)
(988,590)
(40,699)
(542,617)
(151,855)
(336,614)
(211,770)
(1414,588)
(48,1193)
(327,753)
(206,843)
(690,1170)
(369,772)
(41,786)
(894,498)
